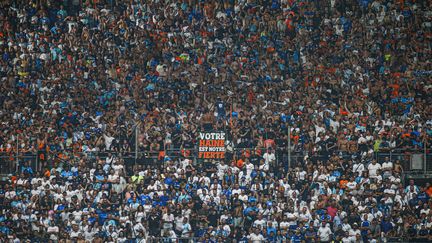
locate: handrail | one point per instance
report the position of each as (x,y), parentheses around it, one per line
(174,150)
(175,153)
(177,239)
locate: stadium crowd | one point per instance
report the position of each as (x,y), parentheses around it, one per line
(349,78)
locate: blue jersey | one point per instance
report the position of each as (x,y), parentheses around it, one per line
(220,108)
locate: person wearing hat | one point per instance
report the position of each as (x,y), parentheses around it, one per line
(75,233)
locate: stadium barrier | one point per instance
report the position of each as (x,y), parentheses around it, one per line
(13,162)
(198,240)
(175,240)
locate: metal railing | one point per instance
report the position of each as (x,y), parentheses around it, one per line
(11,162)
(173,240)
(197,239)
(405,157)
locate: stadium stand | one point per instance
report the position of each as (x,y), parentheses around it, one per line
(215,121)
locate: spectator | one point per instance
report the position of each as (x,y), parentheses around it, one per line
(324,232)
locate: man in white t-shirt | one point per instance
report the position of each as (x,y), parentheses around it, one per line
(264,166)
(256,236)
(249,168)
(373,168)
(139,228)
(53,231)
(284,224)
(108,141)
(351,185)
(387,168)
(346,227)
(117,167)
(291,217)
(75,233)
(354,232)
(89,234)
(260,222)
(269,157)
(10,193)
(186,228)
(346,238)
(236,189)
(358,168)
(221,168)
(324,232)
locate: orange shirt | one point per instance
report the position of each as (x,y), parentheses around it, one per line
(246,153)
(161,155)
(251,96)
(343,111)
(343,183)
(41,145)
(240,163)
(289,24)
(269,143)
(47,173)
(404,135)
(185,152)
(429,191)
(13,179)
(295,138)
(395,91)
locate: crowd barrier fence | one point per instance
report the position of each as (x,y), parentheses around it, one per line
(12,162)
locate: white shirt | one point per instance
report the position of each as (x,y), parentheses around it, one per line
(236,191)
(264,167)
(249,168)
(352,233)
(362,140)
(77,215)
(53,229)
(139,228)
(425,211)
(10,194)
(373,169)
(88,235)
(387,165)
(260,222)
(284,225)
(117,168)
(346,227)
(256,238)
(269,158)
(319,129)
(74,234)
(168,217)
(347,240)
(324,233)
(243,198)
(221,169)
(301,175)
(359,168)
(186,230)
(351,185)
(108,141)
(292,218)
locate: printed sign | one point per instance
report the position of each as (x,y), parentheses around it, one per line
(211,145)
